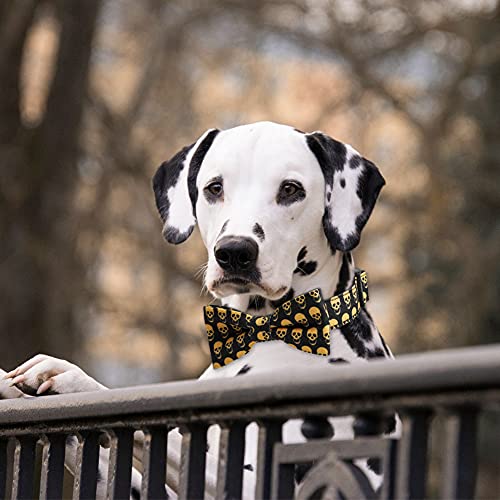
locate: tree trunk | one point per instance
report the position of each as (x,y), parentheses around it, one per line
(41,277)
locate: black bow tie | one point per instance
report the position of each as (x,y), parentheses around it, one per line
(303,322)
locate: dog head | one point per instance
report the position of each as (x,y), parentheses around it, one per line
(259,194)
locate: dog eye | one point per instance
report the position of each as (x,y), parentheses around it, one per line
(290,192)
(214,189)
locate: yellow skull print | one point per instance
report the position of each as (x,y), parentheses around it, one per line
(345,318)
(251,344)
(307,349)
(223,329)
(354,312)
(322,351)
(315,313)
(263,335)
(301,300)
(241,338)
(312,335)
(275,315)
(355,294)
(347,298)
(218,348)
(335,303)
(228,360)
(315,295)
(286,322)
(334,323)
(210,331)
(261,321)
(296,335)
(209,310)
(248,317)
(364,278)
(239,354)
(229,345)
(287,307)
(301,319)
(221,312)
(235,315)
(281,332)
(326,333)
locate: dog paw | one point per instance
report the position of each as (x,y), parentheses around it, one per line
(45,374)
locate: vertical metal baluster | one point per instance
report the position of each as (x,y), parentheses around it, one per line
(231,456)
(52,473)
(270,432)
(460,460)
(282,481)
(24,466)
(3,467)
(87,461)
(411,468)
(193,459)
(120,463)
(155,463)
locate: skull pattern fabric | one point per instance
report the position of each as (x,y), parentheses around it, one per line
(303,323)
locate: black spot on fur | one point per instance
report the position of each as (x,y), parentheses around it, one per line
(342,184)
(248,467)
(244,370)
(302,254)
(167,176)
(329,197)
(223,228)
(173,235)
(337,360)
(256,303)
(135,493)
(306,268)
(299,131)
(331,154)
(288,296)
(259,231)
(375,465)
(195,165)
(355,161)
(345,278)
(358,333)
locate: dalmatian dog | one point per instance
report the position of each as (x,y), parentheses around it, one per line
(280,212)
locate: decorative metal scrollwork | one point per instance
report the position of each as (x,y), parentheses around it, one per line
(334,478)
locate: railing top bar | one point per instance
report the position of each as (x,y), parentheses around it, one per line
(457,369)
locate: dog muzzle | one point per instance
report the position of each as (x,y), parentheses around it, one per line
(303,323)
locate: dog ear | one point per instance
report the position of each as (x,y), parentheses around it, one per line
(174,186)
(352,185)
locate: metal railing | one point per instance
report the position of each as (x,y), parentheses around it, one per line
(457,385)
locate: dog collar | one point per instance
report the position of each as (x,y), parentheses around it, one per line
(303,323)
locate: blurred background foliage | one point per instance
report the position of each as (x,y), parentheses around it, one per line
(95,94)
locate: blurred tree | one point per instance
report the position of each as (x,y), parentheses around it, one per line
(40,274)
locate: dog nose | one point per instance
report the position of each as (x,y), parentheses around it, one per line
(236,254)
